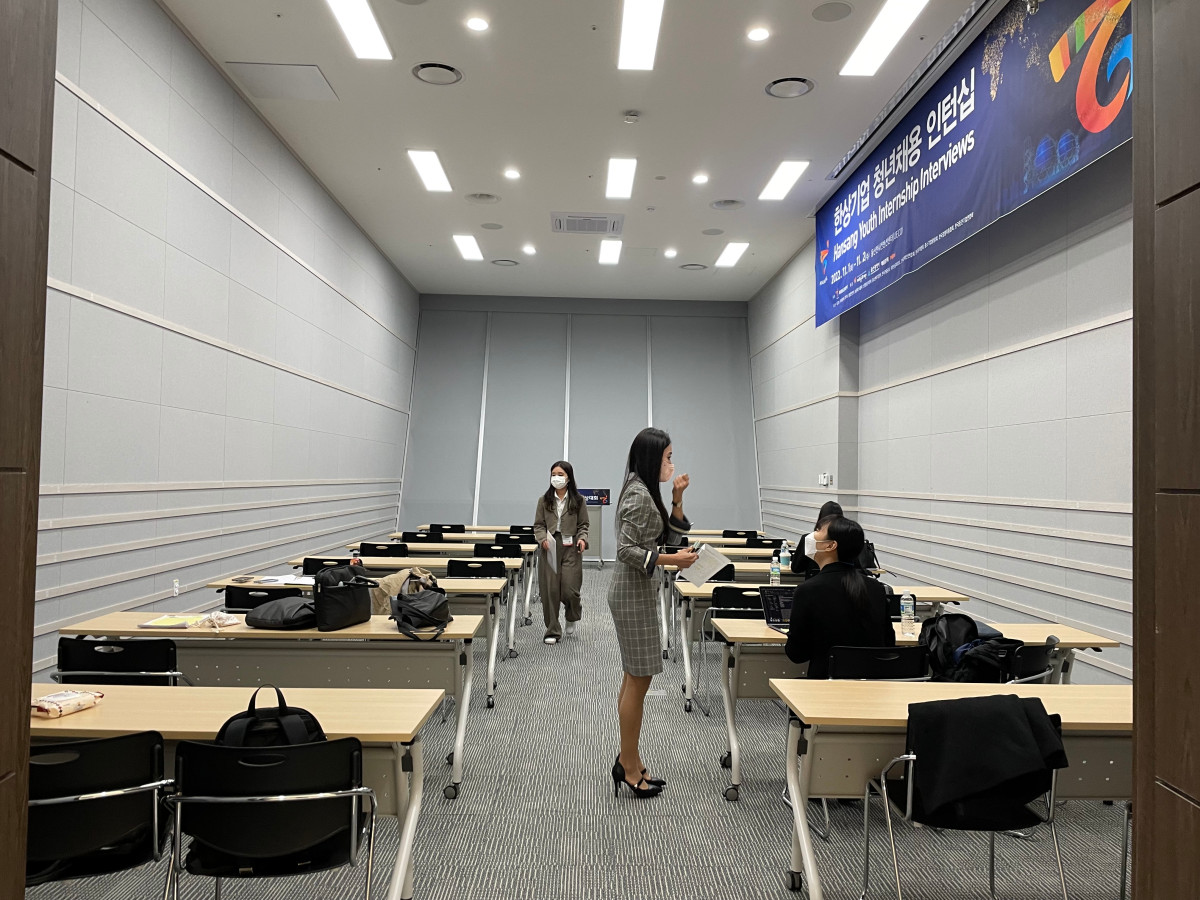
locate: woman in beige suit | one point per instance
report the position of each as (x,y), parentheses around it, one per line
(561,523)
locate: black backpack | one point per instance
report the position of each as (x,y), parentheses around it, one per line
(427,608)
(342,597)
(270,726)
(943,634)
(984,661)
(285,614)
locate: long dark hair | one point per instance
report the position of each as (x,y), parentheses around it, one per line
(850,539)
(830,508)
(574,498)
(645,461)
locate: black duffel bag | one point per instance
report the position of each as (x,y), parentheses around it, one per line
(285,614)
(270,726)
(427,608)
(342,597)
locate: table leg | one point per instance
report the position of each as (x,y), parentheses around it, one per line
(1063,665)
(803,860)
(493,625)
(463,701)
(512,620)
(407,757)
(685,649)
(729,697)
(529,588)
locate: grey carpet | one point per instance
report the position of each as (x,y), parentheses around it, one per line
(537,818)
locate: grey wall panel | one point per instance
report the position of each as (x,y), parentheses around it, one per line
(439,478)
(608,404)
(701,382)
(523,431)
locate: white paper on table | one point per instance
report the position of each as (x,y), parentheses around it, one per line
(707,564)
(552,553)
(306,580)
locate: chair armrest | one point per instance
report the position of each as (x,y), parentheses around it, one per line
(908,759)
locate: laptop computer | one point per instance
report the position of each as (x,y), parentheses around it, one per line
(777,605)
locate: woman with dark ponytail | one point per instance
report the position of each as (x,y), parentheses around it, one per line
(839,606)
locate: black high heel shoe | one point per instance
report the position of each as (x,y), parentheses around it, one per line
(618,774)
(657,782)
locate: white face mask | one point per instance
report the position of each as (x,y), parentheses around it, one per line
(810,545)
(558,482)
(667,472)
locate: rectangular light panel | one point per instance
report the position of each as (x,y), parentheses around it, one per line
(620,178)
(881,38)
(783,180)
(429,167)
(361,29)
(610,253)
(730,255)
(640,21)
(468,247)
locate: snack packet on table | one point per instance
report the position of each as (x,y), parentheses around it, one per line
(63,703)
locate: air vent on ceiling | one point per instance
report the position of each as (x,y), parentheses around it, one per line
(586,223)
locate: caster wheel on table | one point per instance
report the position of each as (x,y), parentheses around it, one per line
(491,702)
(528,621)
(512,654)
(666,655)
(687,705)
(450,758)
(450,791)
(731,792)
(727,760)
(795,881)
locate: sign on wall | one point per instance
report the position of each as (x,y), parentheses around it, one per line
(1031,101)
(596,496)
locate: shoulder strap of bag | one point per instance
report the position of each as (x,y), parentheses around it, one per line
(413,636)
(289,721)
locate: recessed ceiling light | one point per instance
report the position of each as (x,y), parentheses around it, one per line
(670,253)
(468,247)
(699,178)
(758,34)
(789,88)
(881,38)
(529,250)
(361,29)
(436,73)
(620,178)
(610,253)
(640,21)
(429,167)
(731,254)
(477,24)
(783,179)
(512,174)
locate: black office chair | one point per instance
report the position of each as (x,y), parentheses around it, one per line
(95,807)
(267,812)
(314,564)
(1032,663)
(520,529)
(512,551)
(879,663)
(240,598)
(88,660)
(422,537)
(436,526)
(475,568)
(728,573)
(893,603)
(517,539)
(1000,808)
(735,533)
(387,549)
(764,543)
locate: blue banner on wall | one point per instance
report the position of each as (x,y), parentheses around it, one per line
(1030,102)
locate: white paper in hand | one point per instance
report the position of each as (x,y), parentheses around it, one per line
(707,564)
(552,554)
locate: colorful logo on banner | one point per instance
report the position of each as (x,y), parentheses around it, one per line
(824,256)
(1101,19)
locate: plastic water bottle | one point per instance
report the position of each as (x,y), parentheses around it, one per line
(785,557)
(908,614)
(774,570)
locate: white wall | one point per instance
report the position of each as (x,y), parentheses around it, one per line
(994,413)
(228,358)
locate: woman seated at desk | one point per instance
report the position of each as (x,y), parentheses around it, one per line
(803,564)
(839,606)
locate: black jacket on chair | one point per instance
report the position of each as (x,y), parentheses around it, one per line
(823,617)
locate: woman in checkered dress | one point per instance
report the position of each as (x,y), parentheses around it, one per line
(642,526)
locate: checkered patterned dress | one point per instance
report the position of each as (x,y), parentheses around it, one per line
(633,595)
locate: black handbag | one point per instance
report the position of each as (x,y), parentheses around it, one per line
(270,726)
(428,608)
(285,614)
(342,597)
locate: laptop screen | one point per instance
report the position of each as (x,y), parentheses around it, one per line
(777,603)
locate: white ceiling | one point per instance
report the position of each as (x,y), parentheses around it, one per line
(541,92)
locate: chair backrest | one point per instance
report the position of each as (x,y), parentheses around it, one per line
(475,568)
(1031,663)
(265,830)
(509,539)
(384,549)
(736,533)
(728,573)
(105,661)
(879,663)
(730,602)
(764,543)
(520,529)
(240,598)
(441,526)
(893,602)
(509,550)
(314,564)
(107,834)
(421,537)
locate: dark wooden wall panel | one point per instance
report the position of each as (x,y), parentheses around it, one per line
(1177,825)
(22,62)
(1176,77)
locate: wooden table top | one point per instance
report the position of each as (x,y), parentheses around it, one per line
(884,704)
(923,593)
(748,567)
(432,563)
(756,631)
(472,537)
(501,529)
(377,716)
(423,549)
(449,585)
(380,628)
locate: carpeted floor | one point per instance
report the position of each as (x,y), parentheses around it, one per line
(537,818)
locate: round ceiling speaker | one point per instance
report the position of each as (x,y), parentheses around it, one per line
(482,198)
(789,88)
(713,231)
(832,12)
(693,267)
(437,73)
(491,226)
(727,204)
(505,262)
